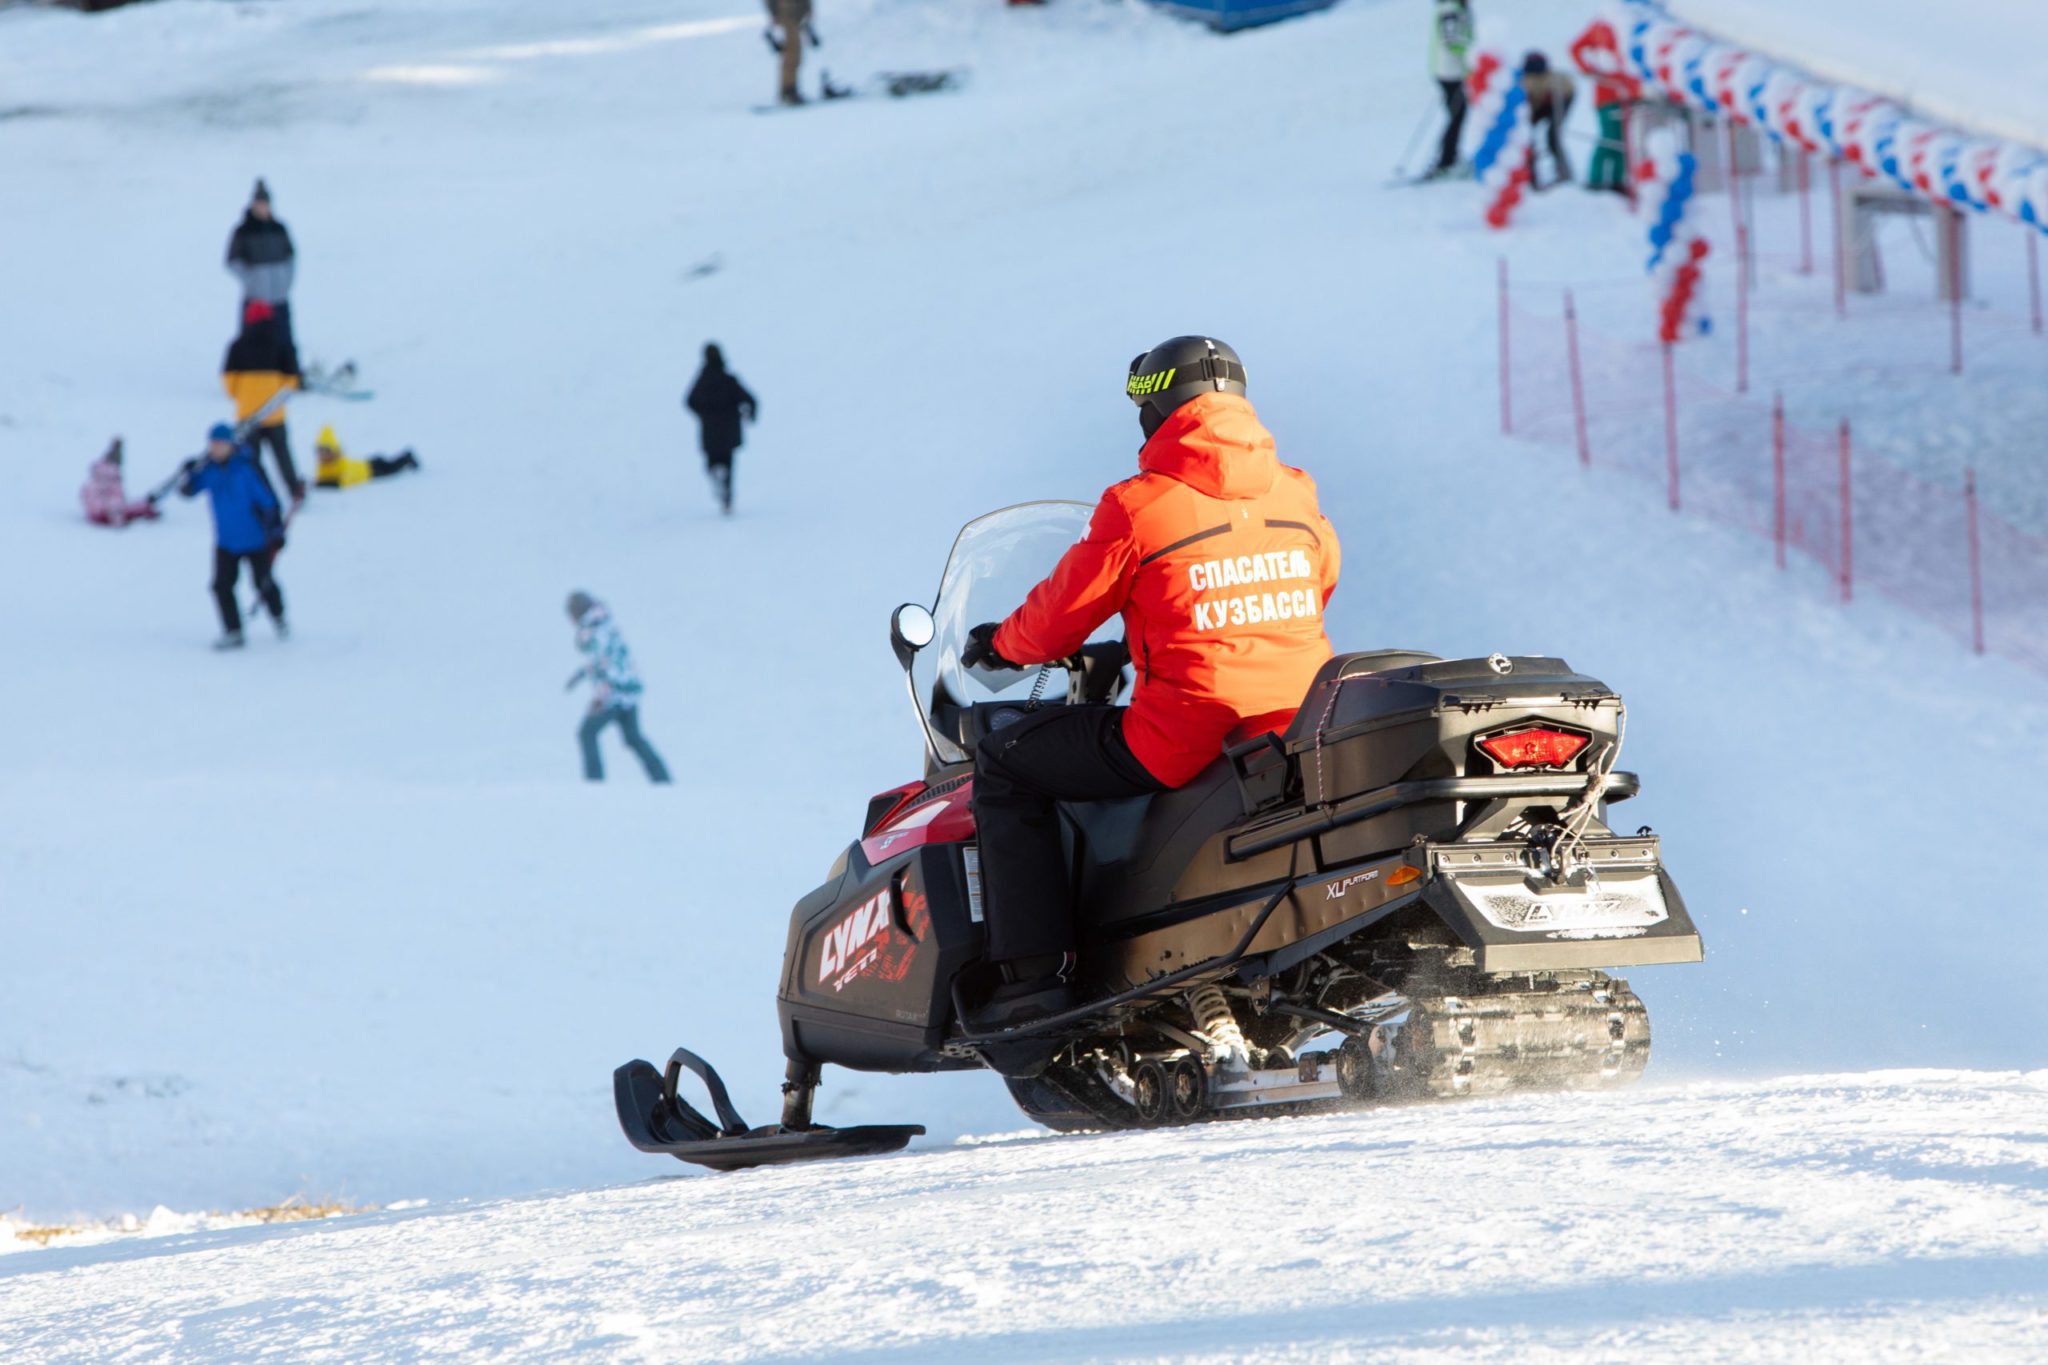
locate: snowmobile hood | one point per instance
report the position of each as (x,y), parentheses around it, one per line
(1216,445)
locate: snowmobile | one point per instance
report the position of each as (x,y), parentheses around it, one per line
(1413,893)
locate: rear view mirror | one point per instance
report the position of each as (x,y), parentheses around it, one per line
(911,628)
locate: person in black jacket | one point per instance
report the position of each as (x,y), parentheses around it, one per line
(720,402)
(260,363)
(260,255)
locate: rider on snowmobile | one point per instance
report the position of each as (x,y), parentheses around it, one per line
(1220,561)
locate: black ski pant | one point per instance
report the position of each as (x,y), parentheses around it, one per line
(383,466)
(1454,130)
(1063,753)
(718,464)
(1551,120)
(281,451)
(628,718)
(227,569)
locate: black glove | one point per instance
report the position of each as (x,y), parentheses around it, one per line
(981,649)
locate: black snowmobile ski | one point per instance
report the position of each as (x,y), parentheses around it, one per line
(656,1120)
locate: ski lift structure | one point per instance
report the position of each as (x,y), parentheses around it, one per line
(1228,16)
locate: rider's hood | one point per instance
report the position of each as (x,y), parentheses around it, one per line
(1216,445)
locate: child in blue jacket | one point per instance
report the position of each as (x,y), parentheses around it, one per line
(247,524)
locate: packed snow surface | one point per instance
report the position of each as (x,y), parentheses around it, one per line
(1899,1216)
(1972,63)
(336,919)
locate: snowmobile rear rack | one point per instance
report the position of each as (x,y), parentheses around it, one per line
(656,1120)
(1323,819)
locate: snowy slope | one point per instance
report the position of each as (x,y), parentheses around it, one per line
(337,919)
(1974,63)
(1871,1218)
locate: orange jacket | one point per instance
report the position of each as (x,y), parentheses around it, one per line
(251,389)
(1221,562)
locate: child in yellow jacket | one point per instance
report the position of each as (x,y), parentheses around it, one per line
(338,469)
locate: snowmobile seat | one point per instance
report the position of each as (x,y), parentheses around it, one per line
(1132,854)
(1342,666)
(1137,857)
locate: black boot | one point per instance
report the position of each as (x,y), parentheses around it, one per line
(1032,988)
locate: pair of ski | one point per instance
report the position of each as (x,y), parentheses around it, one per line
(1461,171)
(317,382)
(895,85)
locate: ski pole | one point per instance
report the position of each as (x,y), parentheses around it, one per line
(1414,141)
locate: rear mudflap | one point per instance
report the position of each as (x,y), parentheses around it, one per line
(655,1119)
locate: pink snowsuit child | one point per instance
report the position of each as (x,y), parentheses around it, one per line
(105,500)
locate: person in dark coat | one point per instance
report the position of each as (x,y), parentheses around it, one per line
(247,525)
(260,255)
(721,403)
(1550,103)
(260,364)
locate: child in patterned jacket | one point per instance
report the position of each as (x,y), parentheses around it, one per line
(615,688)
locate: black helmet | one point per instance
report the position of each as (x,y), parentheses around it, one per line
(1176,371)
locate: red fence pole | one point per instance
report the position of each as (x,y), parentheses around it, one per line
(1848,522)
(1778,475)
(1628,153)
(1805,212)
(1741,325)
(1976,562)
(1671,426)
(1841,263)
(1507,409)
(1571,337)
(1734,187)
(1741,263)
(2034,275)
(1952,239)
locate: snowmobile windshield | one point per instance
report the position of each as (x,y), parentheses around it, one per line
(996,560)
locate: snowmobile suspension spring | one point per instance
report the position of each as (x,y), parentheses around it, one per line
(1215,1020)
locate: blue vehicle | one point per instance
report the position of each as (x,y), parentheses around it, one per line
(1228,16)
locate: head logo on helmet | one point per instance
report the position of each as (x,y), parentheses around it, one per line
(1176,372)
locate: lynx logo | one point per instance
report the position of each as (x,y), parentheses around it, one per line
(1335,891)
(846,940)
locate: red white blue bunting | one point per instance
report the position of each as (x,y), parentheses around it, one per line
(1881,138)
(1501,109)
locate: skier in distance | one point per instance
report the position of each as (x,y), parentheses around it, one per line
(721,403)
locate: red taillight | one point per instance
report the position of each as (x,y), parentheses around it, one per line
(1536,747)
